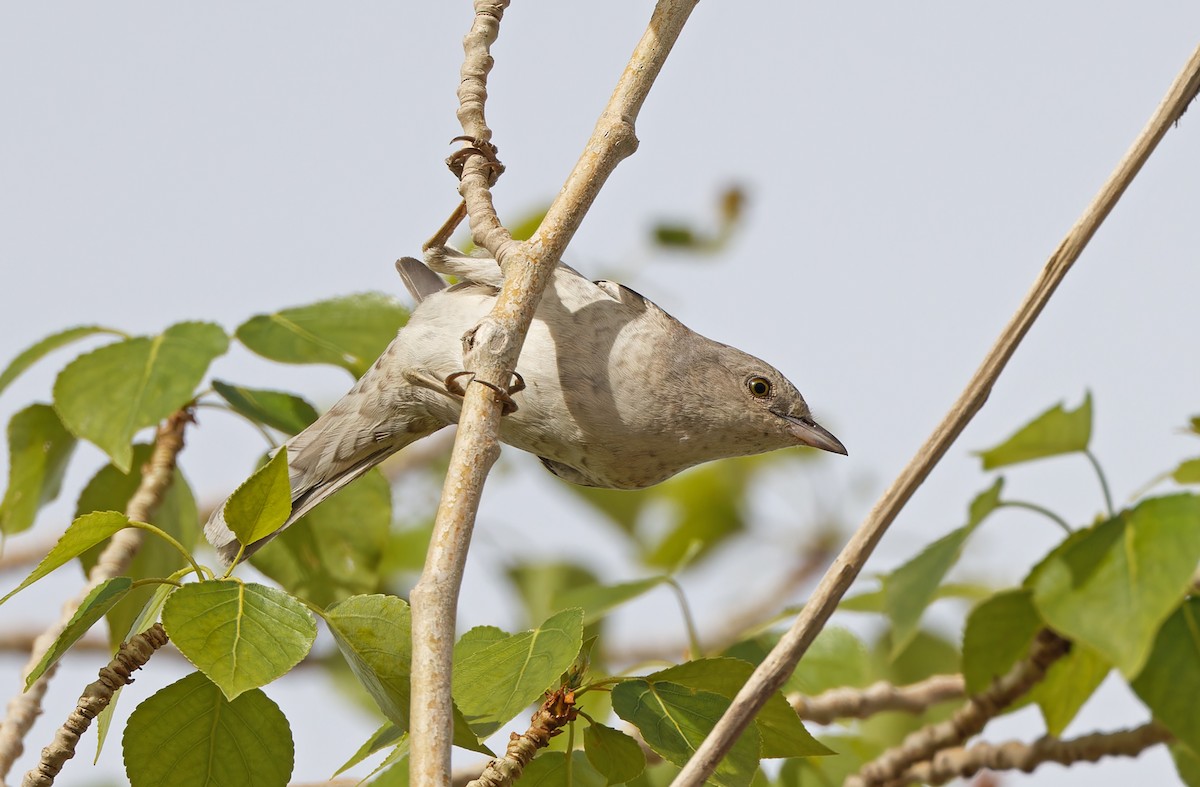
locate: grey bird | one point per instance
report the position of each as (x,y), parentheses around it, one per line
(618,393)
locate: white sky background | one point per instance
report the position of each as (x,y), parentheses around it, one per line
(910,168)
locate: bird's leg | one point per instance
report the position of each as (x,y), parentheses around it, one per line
(475,147)
(508,406)
(442,236)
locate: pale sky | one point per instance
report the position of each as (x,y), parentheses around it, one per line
(910,167)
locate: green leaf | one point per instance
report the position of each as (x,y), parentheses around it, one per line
(1113,585)
(1187,763)
(836,659)
(549,769)
(675,719)
(189,735)
(1069,683)
(780,730)
(613,753)
(241,635)
(85,532)
(998,632)
(33,354)
(541,583)
(98,601)
(598,600)
(335,550)
(873,600)
(107,395)
(1054,432)
(350,331)
(387,735)
(283,411)
(110,490)
(39,448)
(263,502)
(1170,682)
(494,683)
(1188,472)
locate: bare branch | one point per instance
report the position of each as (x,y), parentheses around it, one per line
(779,664)
(494,346)
(24,708)
(131,656)
(548,721)
(968,720)
(829,706)
(1025,757)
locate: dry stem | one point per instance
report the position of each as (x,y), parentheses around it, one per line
(1025,757)
(829,706)
(779,664)
(24,708)
(492,354)
(547,721)
(131,656)
(968,720)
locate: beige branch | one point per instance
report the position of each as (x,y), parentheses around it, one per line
(829,706)
(781,661)
(493,348)
(131,656)
(24,708)
(968,720)
(1025,757)
(547,721)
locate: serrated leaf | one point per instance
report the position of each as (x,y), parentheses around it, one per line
(374,634)
(1170,681)
(837,658)
(32,355)
(598,600)
(495,683)
(189,735)
(283,411)
(1054,432)
(1113,585)
(241,635)
(82,534)
(107,395)
(675,719)
(350,331)
(613,753)
(335,550)
(263,502)
(39,448)
(98,601)
(550,770)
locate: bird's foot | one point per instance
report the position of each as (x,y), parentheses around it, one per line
(475,147)
(507,405)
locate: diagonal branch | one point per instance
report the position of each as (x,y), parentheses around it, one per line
(492,350)
(779,664)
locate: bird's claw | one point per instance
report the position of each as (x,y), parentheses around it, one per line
(475,147)
(507,405)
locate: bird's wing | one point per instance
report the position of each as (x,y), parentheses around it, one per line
(419,280)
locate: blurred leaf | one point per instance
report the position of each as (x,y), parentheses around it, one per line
(1113,585)
(613,753)
(1069,683)
(283,411)
(852,753)
(1188,472)
(263,502)
(495,683)
(676,236)
(350,331)
(836,659)
(707,509)
(387,735)
(550,770)
(1187,763)
(998,633)
(1056,431)
(107,395)
(598,600)
(335,550)
(621,506)
(873,600)
(540,585)
(32,355)
(1170,681)
(85,532)
(98,601)
(241,635)
(39,448)
(173,736)
(675,719)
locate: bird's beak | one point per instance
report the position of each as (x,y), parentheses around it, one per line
(811,433)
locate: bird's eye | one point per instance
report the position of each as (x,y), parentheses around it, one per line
(760,387)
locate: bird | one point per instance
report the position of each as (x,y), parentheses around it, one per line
(616,392)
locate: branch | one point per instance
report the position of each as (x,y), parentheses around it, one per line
(1025,757)
(131,656)
(779,664)
(493,348)
(113,561)
(829,706)
(547,721)
(968,720)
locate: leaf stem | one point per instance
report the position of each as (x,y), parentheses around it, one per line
(137,583)
(1046,512)
(1103,481)
(199,570)
(688,622)
(261,429)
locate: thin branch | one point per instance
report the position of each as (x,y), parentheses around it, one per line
(131,656)
(493,348)
(829,706)
(968,720)
(548,721)
(1026,757)
(779,664)
(24,708)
